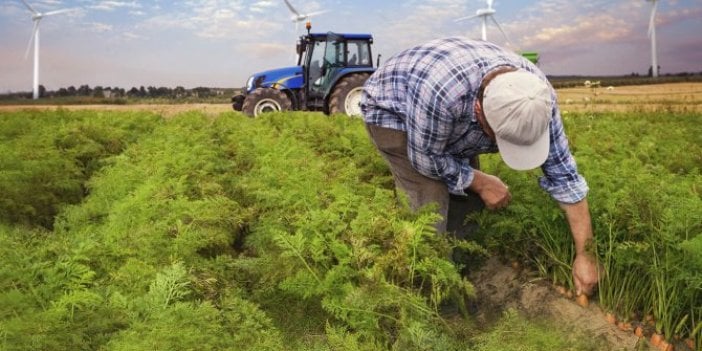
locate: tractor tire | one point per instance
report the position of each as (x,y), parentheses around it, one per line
(265,100)
(346,97)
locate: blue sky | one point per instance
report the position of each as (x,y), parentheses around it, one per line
(218,43)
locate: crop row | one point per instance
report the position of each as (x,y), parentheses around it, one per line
(226,233)
(644,172)
(127,231)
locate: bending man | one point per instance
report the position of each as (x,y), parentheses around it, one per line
(432,108)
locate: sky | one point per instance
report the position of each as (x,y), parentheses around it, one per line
(219,43)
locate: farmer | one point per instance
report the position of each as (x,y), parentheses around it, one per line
(433,108)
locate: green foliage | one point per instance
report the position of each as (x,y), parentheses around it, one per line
(644,174)
(46,158)
(191,232)
(284,232)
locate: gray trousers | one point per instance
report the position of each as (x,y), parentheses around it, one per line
(422,190)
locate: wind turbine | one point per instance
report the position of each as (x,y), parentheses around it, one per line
(36,18)
(484,14)
(297,17)
(652,35)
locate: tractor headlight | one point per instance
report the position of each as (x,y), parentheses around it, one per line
(249,83)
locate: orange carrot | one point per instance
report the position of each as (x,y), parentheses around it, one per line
(582,300)
(666,346)
(624,326)
(656,339)
(611,319)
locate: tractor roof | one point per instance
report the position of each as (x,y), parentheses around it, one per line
(351,36)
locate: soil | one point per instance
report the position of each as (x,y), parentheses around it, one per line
(500,287)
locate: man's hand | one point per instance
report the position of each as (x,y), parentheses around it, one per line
(585,266)
(492,190)
(585,274)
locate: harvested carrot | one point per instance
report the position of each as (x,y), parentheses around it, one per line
(582,300)
(666,346)
(611,319)
(561,290)
(656,339)
(624,326)
(690,342)
(639,331)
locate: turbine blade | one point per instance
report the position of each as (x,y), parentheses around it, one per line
(31,38)
(465,18)
(287,3)
(652,20)
(489,3)
(316,13)
(501,30)
(50,13)
(30,8)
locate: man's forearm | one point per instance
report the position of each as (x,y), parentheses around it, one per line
(578,215)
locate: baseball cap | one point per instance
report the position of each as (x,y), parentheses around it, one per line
(517,106)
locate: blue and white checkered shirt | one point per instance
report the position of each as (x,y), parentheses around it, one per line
(429,92)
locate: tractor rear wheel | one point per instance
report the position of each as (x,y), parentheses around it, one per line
(264,100)
(346,97)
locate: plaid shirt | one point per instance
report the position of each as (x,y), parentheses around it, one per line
(429,92)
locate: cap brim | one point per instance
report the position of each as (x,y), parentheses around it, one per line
(525,157)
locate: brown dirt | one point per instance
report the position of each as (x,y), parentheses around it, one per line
(500,287)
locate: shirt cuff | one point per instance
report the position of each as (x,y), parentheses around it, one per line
(569,192)
(464,180)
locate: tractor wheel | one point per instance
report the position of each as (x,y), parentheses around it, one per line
(265,100)
(346,97)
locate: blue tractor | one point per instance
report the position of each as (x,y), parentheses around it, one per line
(329,76)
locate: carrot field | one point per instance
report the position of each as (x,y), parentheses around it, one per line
(126,230)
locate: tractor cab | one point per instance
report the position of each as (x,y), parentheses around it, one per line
(328,57)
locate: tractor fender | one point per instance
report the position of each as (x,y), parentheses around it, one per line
(344,73)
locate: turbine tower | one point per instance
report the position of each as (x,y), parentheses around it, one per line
(652,35)
(297,17)
(36,18)
(484,14)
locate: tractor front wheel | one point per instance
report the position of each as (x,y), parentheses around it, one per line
(346,97)
(265,100)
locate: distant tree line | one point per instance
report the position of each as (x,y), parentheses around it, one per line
(101,92)
(631,79)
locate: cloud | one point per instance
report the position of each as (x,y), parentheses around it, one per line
(96,27)
(262,6)
(214,19)
(108,5)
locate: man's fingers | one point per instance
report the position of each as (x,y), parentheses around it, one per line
(578,287)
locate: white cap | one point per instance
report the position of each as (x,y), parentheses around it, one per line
(517,106)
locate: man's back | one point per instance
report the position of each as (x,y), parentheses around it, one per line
(445,72)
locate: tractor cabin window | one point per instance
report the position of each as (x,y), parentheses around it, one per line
(358,53)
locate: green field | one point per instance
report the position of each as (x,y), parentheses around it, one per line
(129,231)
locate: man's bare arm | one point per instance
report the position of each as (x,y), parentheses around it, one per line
(585,270)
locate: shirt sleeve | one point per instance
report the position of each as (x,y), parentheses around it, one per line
(430,122)
(561,179)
